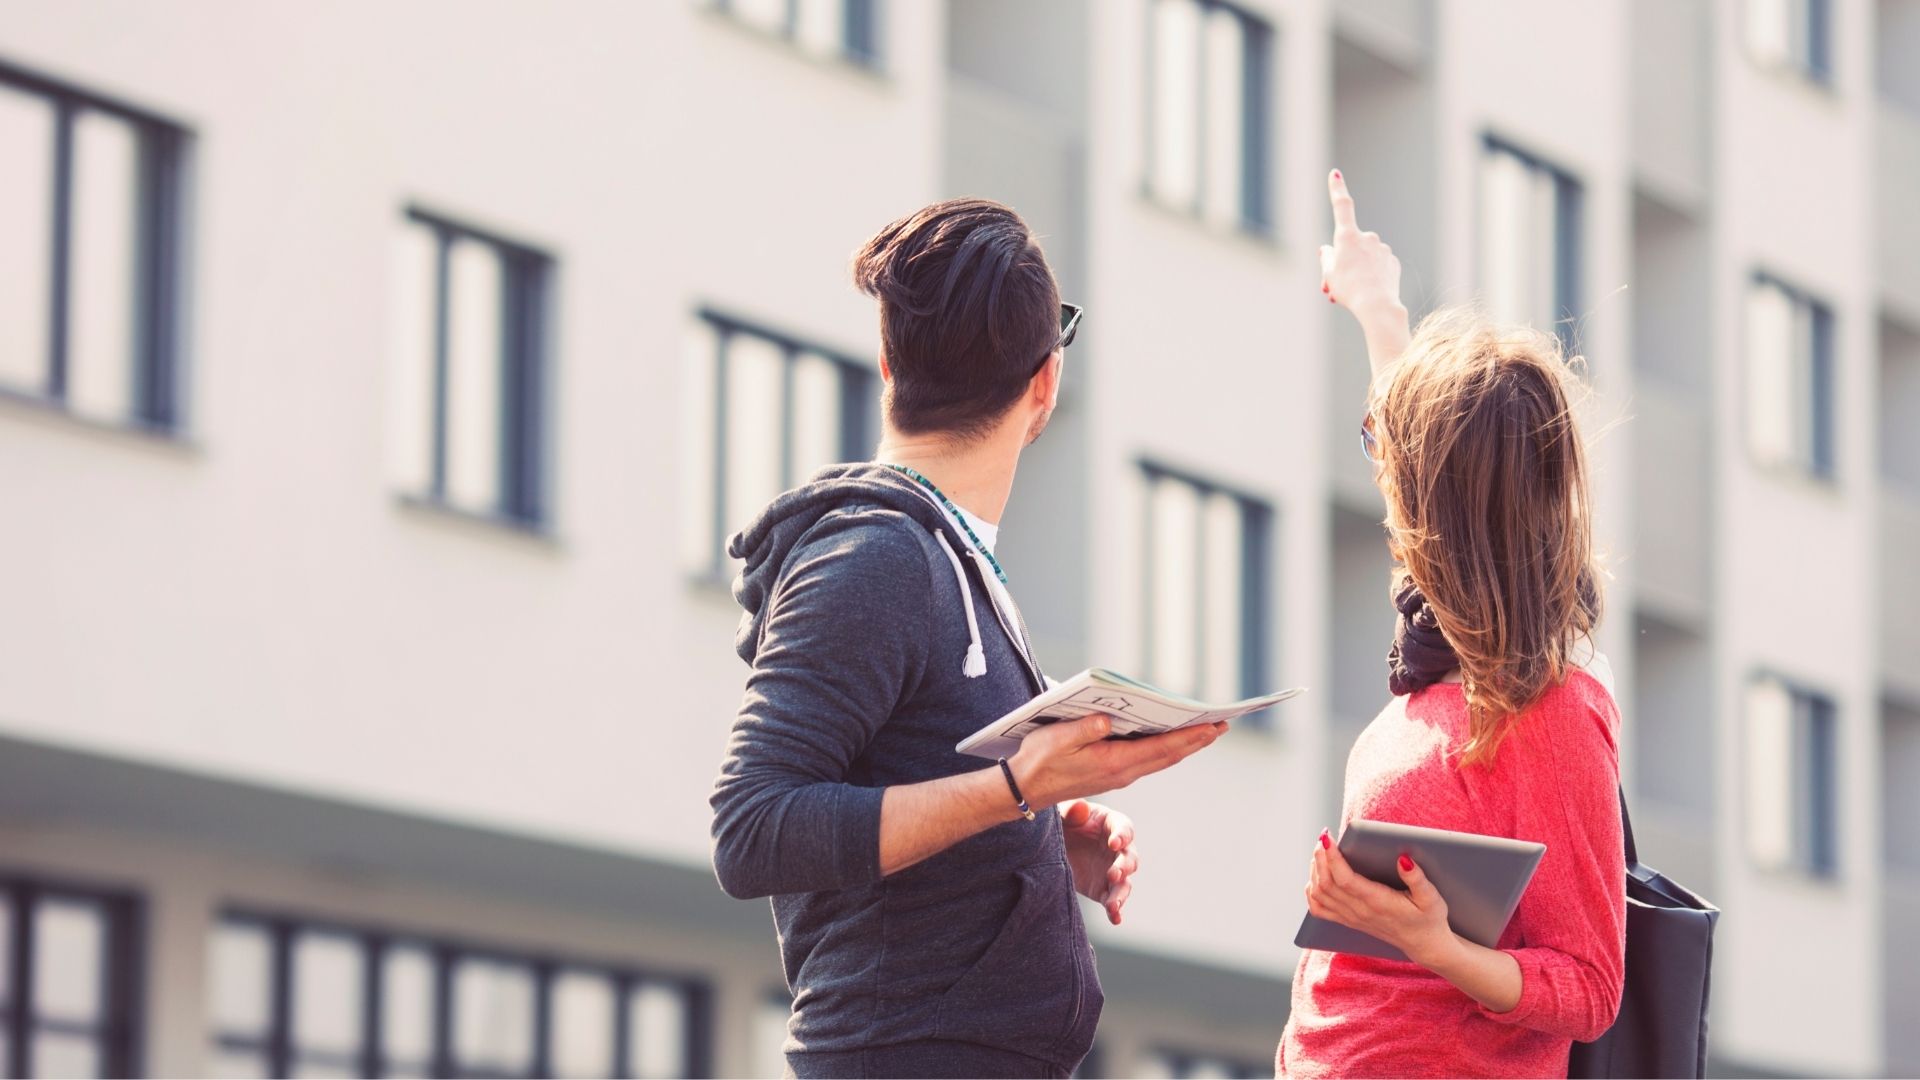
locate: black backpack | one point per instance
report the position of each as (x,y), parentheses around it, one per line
(1662,1026)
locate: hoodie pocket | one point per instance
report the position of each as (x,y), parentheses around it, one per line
(1034,989)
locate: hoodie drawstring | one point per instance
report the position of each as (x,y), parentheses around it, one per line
(976,662)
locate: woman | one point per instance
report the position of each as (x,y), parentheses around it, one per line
(1501,723)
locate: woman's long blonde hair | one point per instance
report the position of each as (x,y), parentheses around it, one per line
(1488,512)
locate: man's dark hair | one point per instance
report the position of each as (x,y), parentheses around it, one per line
(968,309)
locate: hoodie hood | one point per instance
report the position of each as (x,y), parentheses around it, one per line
(767,542)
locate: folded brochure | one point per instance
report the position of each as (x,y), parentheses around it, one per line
(1137,710)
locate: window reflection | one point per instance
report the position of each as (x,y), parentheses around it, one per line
(764,412)
(444,1008)
(74,1017)
(1205,608)
(1529,241)
(1207,89)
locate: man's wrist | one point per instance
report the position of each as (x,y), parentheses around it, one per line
(1023,779)
(1028,775)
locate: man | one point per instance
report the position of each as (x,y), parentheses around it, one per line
(924,902)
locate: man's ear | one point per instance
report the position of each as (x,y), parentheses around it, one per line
(1044,388)
(886,372)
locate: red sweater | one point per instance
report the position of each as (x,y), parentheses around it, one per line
(1554,781)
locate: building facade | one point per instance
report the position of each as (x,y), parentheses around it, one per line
(378,385)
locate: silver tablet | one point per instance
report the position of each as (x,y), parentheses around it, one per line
(1480,877)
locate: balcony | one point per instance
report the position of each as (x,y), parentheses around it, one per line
(1397,31)
(1902,995)
(1898,177)
(1673,513)
(1672,59)
(1030,158)
(1899,591)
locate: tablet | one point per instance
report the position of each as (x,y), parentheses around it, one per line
(1480,877)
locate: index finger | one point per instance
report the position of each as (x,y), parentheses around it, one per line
(1342,202)
(1337,867)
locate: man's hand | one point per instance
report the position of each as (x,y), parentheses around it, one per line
(1360,273)
(1073,759)
(1415,921)
(1100,850)
(1055,765)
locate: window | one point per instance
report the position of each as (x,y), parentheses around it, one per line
(1529,241)
(469,352)
(1789,379)
(69,988)
(763,411)
(1790,778)
(90,195)
(844,29)
(1183,1065)
(298,998)
(1208,85)
(1206,587)
(1792,33)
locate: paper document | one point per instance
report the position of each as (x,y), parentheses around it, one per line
(1137,710)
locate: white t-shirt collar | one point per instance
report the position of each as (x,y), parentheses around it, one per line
(987,531)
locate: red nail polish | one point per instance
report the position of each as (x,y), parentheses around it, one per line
(1325,840)
(1406,863)
(1336,174)
(1326,288)
(1331,300)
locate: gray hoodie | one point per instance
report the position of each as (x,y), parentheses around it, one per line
(867,621)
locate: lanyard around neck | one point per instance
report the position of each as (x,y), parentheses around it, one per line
(954,511)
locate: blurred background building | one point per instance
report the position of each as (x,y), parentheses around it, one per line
(380,380)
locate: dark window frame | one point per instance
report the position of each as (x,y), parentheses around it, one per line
(859,29)
(275,1045)
(1569,234)
(526,363)
(1822,463)
(1815,736)
(1254,215)
(1257,525)
(119,1034)
(159,262)
(859,429)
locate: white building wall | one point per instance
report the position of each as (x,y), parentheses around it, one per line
(253,601)
(1794,594)
(1209,360)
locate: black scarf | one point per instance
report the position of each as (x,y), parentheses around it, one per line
(1420,655)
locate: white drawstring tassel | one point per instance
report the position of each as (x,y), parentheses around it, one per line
(976,662)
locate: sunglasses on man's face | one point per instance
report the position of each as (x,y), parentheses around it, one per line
(1069,325)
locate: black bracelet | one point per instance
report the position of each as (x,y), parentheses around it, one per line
(1014,786)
